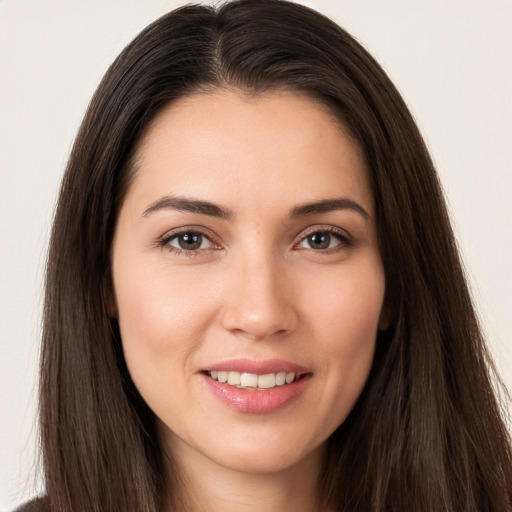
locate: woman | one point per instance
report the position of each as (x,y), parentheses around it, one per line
(253,296)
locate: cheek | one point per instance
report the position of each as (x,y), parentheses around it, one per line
(161,320)
(160,314)
(347,314)
(345,319)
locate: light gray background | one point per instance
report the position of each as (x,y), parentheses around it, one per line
(450,58)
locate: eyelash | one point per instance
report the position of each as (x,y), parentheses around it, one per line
(168,237)
(345,241)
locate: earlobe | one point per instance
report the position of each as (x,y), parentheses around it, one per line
(111,306)
(110,299)
(384,321)
(387,315)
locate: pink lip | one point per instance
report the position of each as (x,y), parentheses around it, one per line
(257,401)
(258,367)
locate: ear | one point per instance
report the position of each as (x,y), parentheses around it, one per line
(111,305)
(109,298)
(387,315)
(384,320)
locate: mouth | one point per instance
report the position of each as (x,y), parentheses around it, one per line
(257,386)
(254,381)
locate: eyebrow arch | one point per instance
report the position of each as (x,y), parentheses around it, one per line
(328,205)
(206,208)
(188,205)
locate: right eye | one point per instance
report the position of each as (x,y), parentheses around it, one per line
(188,241)
(321,240)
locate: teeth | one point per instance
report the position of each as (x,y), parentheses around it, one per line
(234,378)
(267,381)
(248,380)
(281,378)
(251,380)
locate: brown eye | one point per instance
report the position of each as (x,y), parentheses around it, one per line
(322,240)
(190,241)
(319,240)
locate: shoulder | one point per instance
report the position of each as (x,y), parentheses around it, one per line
(24,508)
(37,505)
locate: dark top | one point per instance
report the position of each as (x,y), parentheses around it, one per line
(30,506)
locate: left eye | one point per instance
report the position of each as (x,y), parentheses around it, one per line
(190,241)
(321,240)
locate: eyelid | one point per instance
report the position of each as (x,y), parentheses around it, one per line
(346,239)
(163,241)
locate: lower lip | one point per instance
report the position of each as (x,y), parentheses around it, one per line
(257,401)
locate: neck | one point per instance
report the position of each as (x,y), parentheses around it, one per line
(215,487)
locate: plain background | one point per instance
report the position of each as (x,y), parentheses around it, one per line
(451,59)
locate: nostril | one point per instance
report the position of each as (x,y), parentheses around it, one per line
(259,311)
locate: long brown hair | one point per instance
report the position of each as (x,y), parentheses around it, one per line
(426,434)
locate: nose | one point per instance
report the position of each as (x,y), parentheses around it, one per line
(259,302)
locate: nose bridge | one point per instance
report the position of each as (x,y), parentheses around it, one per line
(259,296)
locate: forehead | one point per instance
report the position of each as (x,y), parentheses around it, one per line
(227,144)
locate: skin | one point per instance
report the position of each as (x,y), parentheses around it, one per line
(257,288)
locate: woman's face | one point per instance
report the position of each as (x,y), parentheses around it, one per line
(246,249)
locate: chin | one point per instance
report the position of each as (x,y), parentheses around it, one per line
(264,456)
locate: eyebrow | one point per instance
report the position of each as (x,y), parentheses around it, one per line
(186,204)
(206,208)
(329,205)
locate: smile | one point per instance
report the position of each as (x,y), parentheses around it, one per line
(257,387)
(252,380)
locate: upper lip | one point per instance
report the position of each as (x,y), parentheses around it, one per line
(260,367)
